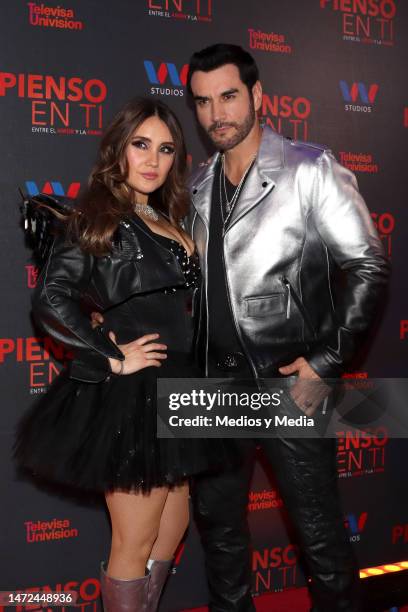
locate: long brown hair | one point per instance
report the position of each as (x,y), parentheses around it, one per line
(108,198)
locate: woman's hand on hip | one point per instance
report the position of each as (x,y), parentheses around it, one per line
(141,353)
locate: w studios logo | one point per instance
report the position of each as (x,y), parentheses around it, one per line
(59,105)
(355,525)
(53,17)
(166,73)
(287,115)
(359,92)
(52,188)
(185,10)
(365,21)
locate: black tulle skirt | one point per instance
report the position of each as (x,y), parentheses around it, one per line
(102,436)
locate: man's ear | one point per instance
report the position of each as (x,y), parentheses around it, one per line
(257,95)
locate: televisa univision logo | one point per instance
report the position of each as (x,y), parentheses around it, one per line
(264,500)
(359,162)
(271,42)
(44,531)
(53,17)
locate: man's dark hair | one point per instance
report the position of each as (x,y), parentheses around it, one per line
(220,54)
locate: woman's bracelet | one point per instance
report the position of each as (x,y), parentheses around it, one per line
(122,365)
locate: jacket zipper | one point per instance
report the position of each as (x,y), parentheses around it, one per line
(289,300)
(128,226)
(229,302)
(293,295)
(207,323)
(206,293)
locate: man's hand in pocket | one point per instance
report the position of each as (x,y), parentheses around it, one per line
(309,390)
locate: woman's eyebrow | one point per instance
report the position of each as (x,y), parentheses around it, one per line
(145,138)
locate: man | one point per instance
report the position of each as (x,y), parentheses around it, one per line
(272,220)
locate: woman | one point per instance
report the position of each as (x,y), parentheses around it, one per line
(125,254)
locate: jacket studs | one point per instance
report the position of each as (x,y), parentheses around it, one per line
(264,184)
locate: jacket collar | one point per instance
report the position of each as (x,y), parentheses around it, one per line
(259,183)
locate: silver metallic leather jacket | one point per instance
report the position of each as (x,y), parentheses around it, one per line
(299,222)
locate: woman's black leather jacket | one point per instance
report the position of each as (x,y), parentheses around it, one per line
(72,283)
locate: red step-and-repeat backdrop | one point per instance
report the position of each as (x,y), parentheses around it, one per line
(334,72)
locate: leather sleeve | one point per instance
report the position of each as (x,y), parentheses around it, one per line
(57,309)
(345,226)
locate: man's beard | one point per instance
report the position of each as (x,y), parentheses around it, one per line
(241,131)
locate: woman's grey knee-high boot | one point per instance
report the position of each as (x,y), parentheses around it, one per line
(159,571)
(124,595)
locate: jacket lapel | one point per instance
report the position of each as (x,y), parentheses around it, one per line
(260,180)
(258,184)
(201,189)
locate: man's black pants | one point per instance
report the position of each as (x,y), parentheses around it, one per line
(306,473)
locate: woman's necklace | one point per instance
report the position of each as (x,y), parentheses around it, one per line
(149,211)
(146,210)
